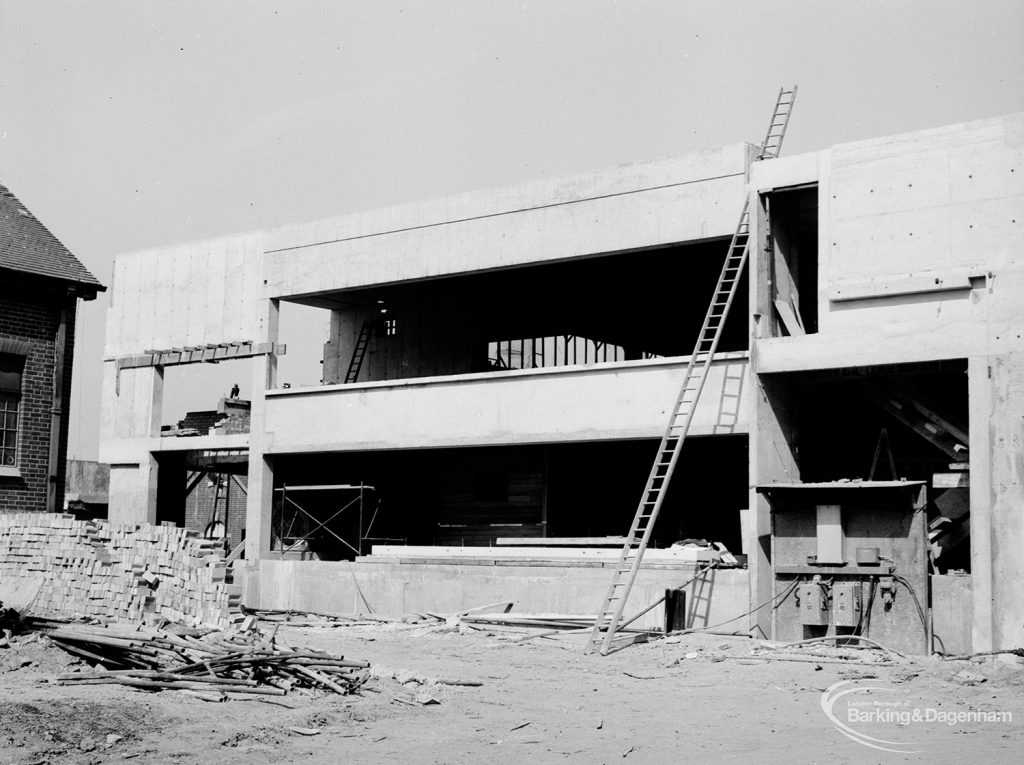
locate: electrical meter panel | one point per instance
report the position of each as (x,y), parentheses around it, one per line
(846,604)
(813,600)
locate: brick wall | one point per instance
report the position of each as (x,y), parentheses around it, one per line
(33,315)
(230,506)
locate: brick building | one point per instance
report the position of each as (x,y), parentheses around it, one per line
(40,284)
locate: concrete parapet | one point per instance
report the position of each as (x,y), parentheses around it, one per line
(393,587)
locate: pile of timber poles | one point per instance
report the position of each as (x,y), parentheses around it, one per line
(215,663)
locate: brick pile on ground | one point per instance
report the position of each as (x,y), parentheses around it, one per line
(119,573)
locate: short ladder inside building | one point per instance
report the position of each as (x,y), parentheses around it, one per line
(359,352)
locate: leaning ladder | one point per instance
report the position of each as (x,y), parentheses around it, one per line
(356,362)
(610,616)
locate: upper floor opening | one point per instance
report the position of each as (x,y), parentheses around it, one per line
(598,310)
(790,261)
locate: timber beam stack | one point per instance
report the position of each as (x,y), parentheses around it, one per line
(214,665)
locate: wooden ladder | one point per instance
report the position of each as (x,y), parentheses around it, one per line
(609,617)
(359,352)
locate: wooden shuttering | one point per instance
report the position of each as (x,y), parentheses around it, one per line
(480,502)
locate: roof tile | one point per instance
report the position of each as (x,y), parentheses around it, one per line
(26,245)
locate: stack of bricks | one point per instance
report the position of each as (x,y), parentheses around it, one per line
(116,572)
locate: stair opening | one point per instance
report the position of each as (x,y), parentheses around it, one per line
(792,254)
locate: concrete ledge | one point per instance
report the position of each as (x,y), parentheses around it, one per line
(614,401)
(393,588)
(514,554)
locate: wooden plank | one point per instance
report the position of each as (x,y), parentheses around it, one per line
(562,541)
(950,480)
(790,319)
(414,552)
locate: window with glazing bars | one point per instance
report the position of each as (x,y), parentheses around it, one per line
(8,430)
(11,367)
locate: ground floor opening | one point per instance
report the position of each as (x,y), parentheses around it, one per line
(337,506)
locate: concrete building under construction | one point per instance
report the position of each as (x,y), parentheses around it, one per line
(501,364)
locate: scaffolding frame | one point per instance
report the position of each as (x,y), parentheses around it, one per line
(301,512)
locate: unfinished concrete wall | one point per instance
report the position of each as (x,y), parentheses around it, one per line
(188,295)
(197,294)
(603,401)
(921,243)
(678,199)
(393,587)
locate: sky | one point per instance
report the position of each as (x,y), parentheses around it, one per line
(128,125)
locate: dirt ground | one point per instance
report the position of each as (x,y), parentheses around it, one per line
(698,698)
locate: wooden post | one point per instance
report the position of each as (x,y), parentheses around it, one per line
(55,498)
(57,404)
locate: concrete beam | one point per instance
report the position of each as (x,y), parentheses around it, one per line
(679,199)
(601,402)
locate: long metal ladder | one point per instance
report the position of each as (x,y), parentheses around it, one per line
(610,616)
(362,342)
(772,143)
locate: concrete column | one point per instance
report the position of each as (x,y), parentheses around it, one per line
(260,499)
(979,395)
(772,440)
(132,493)
(997,497)
(133,406)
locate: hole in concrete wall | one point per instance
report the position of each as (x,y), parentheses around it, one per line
(612,308)
(201,397)
(474,496)
(303,329)
(907,419)
(205,491)
(557,351)
(215,502)
(793,259)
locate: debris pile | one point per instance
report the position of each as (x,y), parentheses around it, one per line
(833,649)
(212,665)
(118,573)
(293,618)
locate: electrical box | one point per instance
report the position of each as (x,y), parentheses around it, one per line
(832,545)
(846,604)
(829,528)
(813,605)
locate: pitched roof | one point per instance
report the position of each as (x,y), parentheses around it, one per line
(26,245)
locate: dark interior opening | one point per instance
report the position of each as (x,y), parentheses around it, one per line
(793,245)
(609,308)
(911,417)
(473,496)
